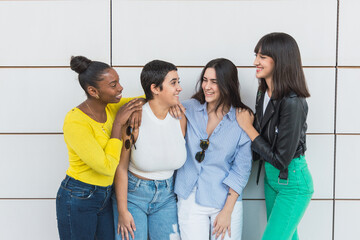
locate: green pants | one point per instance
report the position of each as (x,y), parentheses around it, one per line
(286,200)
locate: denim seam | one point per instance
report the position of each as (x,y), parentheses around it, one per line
(69,215)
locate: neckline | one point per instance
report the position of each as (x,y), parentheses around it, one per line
(151,114)
(103,123)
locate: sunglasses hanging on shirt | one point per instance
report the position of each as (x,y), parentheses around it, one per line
(204,144)
(131,141)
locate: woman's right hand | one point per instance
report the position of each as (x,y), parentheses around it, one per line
(126,225)
(177,111)
(126,110)
(245,118)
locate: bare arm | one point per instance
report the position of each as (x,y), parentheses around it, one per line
(222,221)
(126,224)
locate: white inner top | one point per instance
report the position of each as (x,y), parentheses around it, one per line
(160,147)
(266,101)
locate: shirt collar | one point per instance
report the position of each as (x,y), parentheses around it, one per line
(231,114)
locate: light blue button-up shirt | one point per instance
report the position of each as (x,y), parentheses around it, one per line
(227,161)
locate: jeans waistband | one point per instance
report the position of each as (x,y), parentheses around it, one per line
(72,181)
(167,182)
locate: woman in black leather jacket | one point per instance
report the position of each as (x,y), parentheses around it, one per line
(278,134)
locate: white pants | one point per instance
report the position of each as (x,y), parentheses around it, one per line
(196,221)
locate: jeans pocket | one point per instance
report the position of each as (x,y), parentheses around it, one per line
(307,178)
(132,186)
(81,193)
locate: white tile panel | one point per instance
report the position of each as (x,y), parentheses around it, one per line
(254,219)
(347,218)
(317,221)
(347,176)
(321,84)
(349,33)
(32,166)
(348,102)
(248,86)
(191,33)
(319,214)
(253,191)
(130,81)
(320,159)
(28,219)
(37,99)
(47,33)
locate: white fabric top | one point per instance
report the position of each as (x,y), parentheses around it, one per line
(160,147)
(266,101)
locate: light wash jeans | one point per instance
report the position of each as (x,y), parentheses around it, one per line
(196,221)
(84,211)
(152,203)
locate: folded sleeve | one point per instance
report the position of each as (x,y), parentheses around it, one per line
(241,168)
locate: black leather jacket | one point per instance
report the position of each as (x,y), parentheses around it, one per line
(282,131)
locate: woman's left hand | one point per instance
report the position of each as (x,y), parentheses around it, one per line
(222,224)
(135,119)
(245,118)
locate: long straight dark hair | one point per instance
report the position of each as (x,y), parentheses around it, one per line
(288,75)
(228,83)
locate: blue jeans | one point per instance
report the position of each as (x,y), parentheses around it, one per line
(84,211)
(152,204)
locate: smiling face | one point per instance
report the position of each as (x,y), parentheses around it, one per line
(210,87)
(170,89)
(109,88)
(265,66)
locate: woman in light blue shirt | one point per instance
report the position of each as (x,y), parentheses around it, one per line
(209,186)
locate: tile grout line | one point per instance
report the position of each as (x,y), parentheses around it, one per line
(335,113)
(179,66)
(110,33)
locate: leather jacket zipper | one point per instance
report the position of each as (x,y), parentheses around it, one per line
(275,137)
(269,124)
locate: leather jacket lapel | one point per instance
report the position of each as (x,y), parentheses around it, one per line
(269,112)
(258,109)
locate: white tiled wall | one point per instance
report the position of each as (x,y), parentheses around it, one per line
(47,33)
(349,33)
(347,218)
(28,219)
(38,88)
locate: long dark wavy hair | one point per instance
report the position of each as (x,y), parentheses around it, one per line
(288,73)
(228,83)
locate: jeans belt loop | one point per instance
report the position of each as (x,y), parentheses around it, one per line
(167,183)
(287,181)
(138,182)
(66,180)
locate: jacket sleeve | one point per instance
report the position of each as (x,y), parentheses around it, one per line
(292,118)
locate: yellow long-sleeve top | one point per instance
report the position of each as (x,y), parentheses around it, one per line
(93,155)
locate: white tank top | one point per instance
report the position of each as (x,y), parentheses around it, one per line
(160,147)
